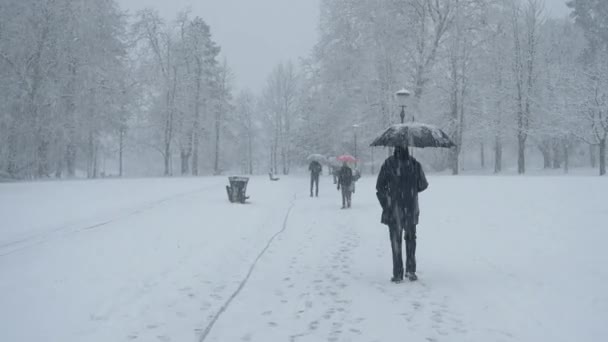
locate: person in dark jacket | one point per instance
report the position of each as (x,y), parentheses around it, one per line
(315,171)
(400,180)
(345,182)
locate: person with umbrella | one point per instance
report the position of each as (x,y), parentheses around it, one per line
(400,180)
(315,169)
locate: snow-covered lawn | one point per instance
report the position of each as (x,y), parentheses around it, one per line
(499,259)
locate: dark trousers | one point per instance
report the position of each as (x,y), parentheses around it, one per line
(346,196)
(314,182)
(397,233)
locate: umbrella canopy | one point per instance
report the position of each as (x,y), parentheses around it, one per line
(317,157)
(333,162)
(347,158)
(414,134)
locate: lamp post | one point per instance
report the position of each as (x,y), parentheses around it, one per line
(355,127)
(402,96)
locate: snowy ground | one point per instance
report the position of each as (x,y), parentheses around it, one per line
(500,259)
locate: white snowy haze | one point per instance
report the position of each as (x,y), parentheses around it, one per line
(249,33)
(254,34)
(114,88)
(158,160)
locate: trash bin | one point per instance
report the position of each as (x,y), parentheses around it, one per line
(237,190)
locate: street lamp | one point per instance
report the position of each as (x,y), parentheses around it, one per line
(402,96)
(355,127)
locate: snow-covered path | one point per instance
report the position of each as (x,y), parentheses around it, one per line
(500,259)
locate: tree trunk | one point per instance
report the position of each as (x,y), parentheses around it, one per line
(196,124)
(168,135)
(90,153)
(271,159)
(58,165)
(482,155)
(566,158)
(284,160)
(250,152)
(497,155)
(167,158)
(195,145)
(185,162)
(557,162)
(32,105)
(121,148)
(218,113)
(169,101)
(42,154)
(216,164)
(70,153)
(521,155)
(454,160)
(602,156)
(275,160)
(592,156)
(11,167)
(546,152)
(70,159)
(95,160)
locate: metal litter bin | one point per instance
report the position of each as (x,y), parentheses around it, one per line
(237,190)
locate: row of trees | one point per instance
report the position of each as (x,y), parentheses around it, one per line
(61,89)
(84,89)
(497,75)
(87,89)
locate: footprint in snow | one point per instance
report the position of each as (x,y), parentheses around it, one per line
(416,305)
(314,325)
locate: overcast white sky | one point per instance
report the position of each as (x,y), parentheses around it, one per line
(255,35)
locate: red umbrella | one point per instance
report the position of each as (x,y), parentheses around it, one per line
(347,158)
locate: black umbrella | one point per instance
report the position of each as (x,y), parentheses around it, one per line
(414,134)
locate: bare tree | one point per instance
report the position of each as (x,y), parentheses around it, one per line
(430,21)
(223,100)
(525,45)
(280,100)
(151,28)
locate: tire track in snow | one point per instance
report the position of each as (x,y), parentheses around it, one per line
(38,239)
(242,284)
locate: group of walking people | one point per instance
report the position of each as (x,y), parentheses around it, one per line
(400,180)
(344,177)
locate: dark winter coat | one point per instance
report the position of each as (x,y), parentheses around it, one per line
(345,177)
(315,169)
(400,180)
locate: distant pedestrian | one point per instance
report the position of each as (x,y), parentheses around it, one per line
(315,169)
(335,172)
(400,180)
(345,183)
